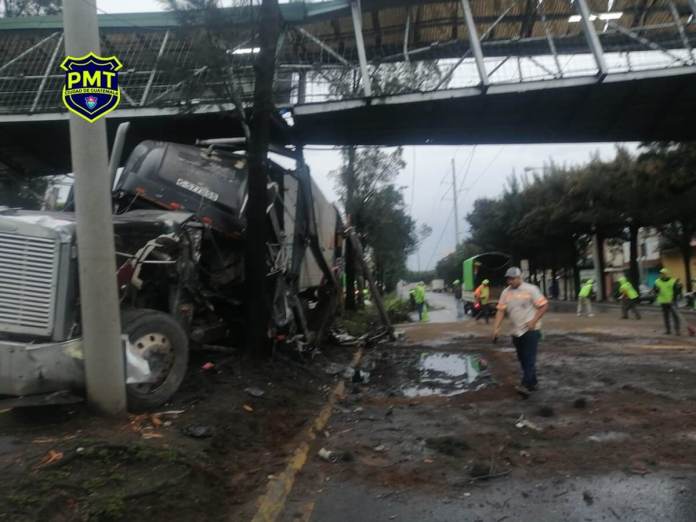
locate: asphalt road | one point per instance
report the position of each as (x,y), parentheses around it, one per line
(553,475)
(442,308)
(593,498)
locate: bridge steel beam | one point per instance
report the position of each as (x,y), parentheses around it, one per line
(475,43)
(151,79)
(323,46)
(49,68)
(680,27)
(24,53)
(356,13)
(592,38)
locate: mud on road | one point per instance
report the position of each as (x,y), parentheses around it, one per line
(613,408)
(430,430)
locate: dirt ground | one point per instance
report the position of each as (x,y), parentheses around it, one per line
(436,432)
(206,456)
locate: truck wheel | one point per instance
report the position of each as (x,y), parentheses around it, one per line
(160,340)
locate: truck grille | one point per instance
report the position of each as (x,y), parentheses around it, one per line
(28,267)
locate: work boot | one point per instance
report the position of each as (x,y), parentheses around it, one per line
(523,390)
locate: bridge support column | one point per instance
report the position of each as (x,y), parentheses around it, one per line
(360,43)
(592,38)
(475,43)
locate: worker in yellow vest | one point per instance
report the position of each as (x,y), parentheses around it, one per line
(419,297)
(585,298)
(482,296)
(666,290)
(629,298)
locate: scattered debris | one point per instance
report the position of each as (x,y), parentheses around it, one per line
(171,412)
(208,366)
(51,457)
(524,423)
(380,448)
(448,445)
(588,498)
(580,403)
(248,408)
(608,436)
(328,456)
(343,338)
(360,376)
(334,369)
(152,435)
(198,431)
(546,411)
(255,392)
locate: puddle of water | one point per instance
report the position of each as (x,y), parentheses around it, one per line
(445,374)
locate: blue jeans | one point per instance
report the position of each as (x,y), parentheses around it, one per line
(419,307)
(526,346)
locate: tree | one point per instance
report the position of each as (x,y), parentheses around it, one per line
(449,267)
(255,264)
(12,8)
(389,233)
(213,34)
(374,206)
(671,167)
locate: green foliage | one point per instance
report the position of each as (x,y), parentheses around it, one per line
(376,207)
(414,276)
(550,218)
(449,268)
(398,309)
(12,8)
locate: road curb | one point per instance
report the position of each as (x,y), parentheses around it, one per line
(272,503)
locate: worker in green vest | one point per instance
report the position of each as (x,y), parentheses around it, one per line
(629,298)
(419,297)
(666,290)
(585,298)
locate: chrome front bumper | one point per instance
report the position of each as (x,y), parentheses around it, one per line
(27,369)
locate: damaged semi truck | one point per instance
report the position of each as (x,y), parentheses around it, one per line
(179,233)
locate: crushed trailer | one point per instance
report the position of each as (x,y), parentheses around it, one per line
(179,233)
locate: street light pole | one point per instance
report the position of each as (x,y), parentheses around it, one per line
(456,206)
(101,324)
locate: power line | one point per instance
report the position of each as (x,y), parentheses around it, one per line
(442,234)
(484,171)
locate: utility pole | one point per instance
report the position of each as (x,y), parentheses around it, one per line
(456,207)
(101,323)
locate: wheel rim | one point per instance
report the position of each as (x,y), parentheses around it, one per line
(156,349)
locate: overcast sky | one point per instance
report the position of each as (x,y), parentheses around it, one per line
(481,171)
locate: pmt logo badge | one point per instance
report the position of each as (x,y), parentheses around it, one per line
(91,85)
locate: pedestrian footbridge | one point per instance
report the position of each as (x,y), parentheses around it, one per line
(374,72)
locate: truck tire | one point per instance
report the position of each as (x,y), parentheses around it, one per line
(164,343)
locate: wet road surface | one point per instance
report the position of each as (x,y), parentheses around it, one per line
(439,434)
(593,498)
